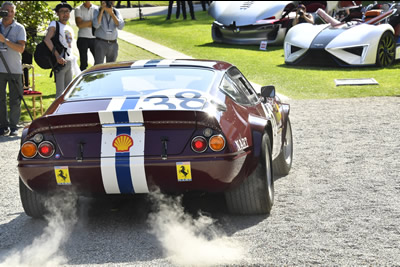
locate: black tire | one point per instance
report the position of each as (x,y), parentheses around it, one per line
(283,163)
(385,55)
(256,194)
(32,202)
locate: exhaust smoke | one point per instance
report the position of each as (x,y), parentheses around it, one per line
(187,241)
(45,249)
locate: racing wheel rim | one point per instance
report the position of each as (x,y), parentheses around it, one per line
(386,50)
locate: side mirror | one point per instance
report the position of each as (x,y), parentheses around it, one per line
(268,91)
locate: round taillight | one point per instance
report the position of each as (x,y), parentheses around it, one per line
(29,149)
(199,144)
(46,149)
(217,143)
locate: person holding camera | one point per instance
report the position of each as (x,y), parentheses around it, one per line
(63,70)
(302,16)
(106,20)
(85,42)
(12,45)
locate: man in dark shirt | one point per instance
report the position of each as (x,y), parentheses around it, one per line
(302,16)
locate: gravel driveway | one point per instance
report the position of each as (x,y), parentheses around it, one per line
(340,205)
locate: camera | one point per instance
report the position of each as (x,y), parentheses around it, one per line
(301,13)
(3,13)
(108,4)
(58,67)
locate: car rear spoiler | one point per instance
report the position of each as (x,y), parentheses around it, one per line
(381,17)
(334,22)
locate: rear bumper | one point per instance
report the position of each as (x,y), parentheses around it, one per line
(208,174)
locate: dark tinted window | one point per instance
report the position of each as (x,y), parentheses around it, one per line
(230,88)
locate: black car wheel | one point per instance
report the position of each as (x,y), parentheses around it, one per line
(256,194)
(283,163)
(32,202)
(386,50)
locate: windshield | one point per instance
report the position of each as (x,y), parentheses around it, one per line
(141,82)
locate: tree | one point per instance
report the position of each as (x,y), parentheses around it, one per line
(35,16)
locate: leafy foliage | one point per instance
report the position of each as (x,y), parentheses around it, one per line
(35,16)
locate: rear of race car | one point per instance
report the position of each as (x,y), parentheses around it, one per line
(128,152)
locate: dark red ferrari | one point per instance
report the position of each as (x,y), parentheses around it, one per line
(177,125)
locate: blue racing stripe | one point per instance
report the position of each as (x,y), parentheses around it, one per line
(130,103)
(121,117)
(122,163)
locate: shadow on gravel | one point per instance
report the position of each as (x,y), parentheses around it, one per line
(4,139)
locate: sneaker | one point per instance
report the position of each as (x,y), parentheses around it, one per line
(4,131)
(14,132)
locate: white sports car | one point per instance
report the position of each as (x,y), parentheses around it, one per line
(250,22)
(355,43)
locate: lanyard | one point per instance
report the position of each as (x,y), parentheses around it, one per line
(1,30)
(5,35)
(108,21)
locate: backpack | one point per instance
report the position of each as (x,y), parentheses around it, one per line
(45,58)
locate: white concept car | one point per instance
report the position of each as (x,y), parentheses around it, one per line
(250,22)
(354,43)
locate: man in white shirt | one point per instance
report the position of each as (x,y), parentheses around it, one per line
(63,73)
(83,19)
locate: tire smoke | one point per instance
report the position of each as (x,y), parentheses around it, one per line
(187,241)
(45,249)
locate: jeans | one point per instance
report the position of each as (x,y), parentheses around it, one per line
(63,78)
(105,50)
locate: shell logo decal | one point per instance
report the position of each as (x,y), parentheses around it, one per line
(122,143)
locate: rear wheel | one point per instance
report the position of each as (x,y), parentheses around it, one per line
(256,194)
(386,50)
(32,202)
(283,163)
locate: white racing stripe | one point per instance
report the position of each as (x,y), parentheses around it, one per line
(138,173)
(111,172)
(108,171)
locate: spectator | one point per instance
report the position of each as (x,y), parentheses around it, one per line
(204,5)
(191,9)
(179,5)
(183,5)
(302,16)
(170,3)
(83,19)
(107,20)
(12,44)
(63,73)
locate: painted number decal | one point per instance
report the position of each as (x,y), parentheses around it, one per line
(181,100)
(163,101)
(186,100)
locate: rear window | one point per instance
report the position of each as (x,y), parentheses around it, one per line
(141,82)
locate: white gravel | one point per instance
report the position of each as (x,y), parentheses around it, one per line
(338,206)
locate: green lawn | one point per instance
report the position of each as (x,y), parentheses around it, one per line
(264,67)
